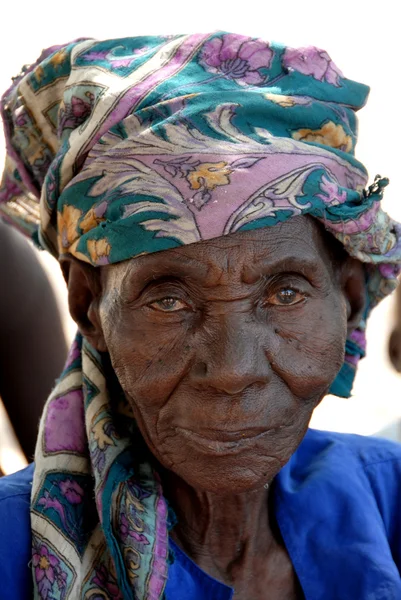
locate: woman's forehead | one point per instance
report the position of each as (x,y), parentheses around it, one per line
(299,243)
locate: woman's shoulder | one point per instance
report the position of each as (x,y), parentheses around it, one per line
(15,496)
(341,463)
(337,504)
(350,469)
(16,485)
(15,534)
(365,450)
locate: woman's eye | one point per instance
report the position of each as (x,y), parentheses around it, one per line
(286,297)
(168,304)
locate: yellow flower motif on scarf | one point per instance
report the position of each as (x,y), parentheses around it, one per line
(99,251)
(39,73)
(281,100)
(67,225)
(209,175)
(44,563)
(90,221)
(329,135)
(58,58)
(99,434)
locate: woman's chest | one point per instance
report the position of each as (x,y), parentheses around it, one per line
(270,579)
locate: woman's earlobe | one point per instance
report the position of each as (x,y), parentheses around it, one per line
(84,291)
(353,284)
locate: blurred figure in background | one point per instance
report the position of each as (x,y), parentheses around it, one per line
(32,342)
(395,337)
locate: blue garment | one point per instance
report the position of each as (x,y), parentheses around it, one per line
(337,504)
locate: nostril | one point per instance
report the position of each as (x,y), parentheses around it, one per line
(200,369)
(231,381)
(234,388)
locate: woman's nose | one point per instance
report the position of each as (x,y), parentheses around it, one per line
(233,358)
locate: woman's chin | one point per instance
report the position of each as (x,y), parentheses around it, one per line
(228,466)
(229,475)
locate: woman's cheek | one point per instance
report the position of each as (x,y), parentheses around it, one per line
(310,351)
(149,361)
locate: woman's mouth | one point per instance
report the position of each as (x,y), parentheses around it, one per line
(225,442)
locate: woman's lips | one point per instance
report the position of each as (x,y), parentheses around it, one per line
(225,442)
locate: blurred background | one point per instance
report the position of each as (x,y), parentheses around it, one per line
(361,38)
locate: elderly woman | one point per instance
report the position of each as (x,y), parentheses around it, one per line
(222,254)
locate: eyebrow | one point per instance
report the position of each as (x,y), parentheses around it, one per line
(151,269)
(290,263)
(147,269)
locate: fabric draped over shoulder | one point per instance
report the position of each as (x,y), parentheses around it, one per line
(124,147)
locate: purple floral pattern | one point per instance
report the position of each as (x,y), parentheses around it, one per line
(73,114)
(107,581)
(238,58)
(63,501)
(331,192)
(61,412)
(48,501)
(72,491)
(48,573)
(10,190)
(312,61)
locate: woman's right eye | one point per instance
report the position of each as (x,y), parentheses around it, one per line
(286,296)
(168,304)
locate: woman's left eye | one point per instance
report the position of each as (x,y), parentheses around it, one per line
(169,304)
(286,297)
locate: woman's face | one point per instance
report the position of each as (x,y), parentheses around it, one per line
(225,347)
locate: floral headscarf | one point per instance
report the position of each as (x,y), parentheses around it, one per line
(131,146)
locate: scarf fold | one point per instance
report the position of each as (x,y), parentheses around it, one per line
(99,519)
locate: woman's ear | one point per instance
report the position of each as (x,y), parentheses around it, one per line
(354,289)
(84,292)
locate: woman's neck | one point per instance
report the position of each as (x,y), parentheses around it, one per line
(222,534)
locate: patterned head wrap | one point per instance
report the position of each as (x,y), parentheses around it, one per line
(137,145)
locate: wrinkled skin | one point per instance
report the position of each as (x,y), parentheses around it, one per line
(223,349)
